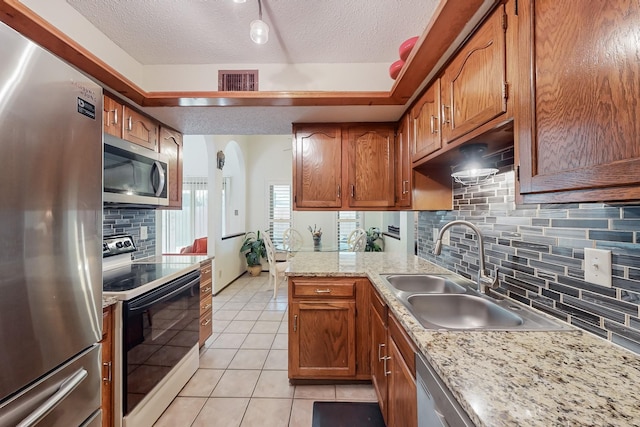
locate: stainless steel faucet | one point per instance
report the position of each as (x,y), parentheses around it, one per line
(485,283)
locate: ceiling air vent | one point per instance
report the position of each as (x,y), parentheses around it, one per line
(238,80)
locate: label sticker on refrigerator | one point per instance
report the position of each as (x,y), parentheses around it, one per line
(86,108)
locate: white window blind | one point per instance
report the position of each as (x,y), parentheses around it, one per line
(181,228)
(347,222)
(279,210)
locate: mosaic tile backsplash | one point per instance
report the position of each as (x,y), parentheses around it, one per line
(129,221)
(539,251)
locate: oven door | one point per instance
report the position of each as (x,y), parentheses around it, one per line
(159,329)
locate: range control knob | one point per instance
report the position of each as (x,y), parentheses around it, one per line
(119,245)
(127,243)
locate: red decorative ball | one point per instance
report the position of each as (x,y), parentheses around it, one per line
(406,46)
(395,68)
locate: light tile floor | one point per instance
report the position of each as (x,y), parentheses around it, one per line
(242,379)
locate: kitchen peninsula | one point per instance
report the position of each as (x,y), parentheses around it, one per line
(566,378)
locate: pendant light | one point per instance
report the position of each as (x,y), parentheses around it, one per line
(472,170)
(259,29)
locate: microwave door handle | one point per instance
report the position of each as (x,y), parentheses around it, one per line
(157,166)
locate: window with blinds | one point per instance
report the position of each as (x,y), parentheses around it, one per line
(181,228)
(347,222)
(279,210)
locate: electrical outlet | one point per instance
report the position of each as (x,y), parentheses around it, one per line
(597,266)
(143,233)
(435,233)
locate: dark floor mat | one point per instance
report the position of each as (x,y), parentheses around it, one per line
(347,414)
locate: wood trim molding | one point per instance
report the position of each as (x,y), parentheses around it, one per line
(446,24)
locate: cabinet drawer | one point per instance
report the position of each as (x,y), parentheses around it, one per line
(206,304)
(206,327)
(205,289)
(106,322)
(324,289)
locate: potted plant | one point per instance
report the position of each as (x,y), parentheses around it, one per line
(253,249)
(373,235)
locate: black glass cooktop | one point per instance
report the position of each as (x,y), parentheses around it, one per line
(136,275)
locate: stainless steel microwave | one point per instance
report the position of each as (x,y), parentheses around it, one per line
(134,175)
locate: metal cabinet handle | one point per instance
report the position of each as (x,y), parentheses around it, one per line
(129,123)
(295,323)
(339,192)
(380,346)
(49,405)
(323,291)
(353,191)
(207,289)
(434,129)
(384,361)
(405,186)
(109,376)
(206,307)
(206,322)
(444,115)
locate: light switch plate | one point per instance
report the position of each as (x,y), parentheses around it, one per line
(445,236)
(597,266)
(143,233)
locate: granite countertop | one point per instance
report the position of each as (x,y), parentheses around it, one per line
(108,300)
(569,378)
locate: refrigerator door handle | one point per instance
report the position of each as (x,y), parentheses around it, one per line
(66,387)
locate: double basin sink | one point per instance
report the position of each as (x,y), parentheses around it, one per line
(446,301)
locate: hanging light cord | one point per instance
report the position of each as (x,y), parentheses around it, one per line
(259,10)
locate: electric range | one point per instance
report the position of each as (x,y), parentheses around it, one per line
(156,335)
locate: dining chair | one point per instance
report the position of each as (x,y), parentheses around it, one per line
(357,240)
(276,269)
(291,241)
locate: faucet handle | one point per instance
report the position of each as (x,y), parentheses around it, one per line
(487,283)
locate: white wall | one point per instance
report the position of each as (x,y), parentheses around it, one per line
(189,77)
(195,157)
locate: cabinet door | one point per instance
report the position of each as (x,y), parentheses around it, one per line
(425,124)
(322,339)
(370,166)
(112,117)
(378,354)
(402,405)
(140,129)
(317,167)
(578,121)
(474,84)
(404,171)
(107,367)
(171,145)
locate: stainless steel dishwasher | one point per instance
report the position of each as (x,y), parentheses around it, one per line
(436,405)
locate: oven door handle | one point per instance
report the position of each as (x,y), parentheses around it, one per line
(159,295)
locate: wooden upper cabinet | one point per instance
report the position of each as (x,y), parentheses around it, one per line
(473,86)
(578,122)
(404,172)
(171,145)
(112,117)
(140,129)
(317,167)
(370,166)
(425,123)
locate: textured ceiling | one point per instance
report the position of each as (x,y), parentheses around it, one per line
(217,32)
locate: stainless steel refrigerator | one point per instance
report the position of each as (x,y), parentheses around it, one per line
(50,239)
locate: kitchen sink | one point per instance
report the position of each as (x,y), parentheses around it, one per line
(425,283)
(461,312)
(451,302)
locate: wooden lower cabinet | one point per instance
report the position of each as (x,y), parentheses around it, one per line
(392,366)
(206,302)
(107,367)
(325,339)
